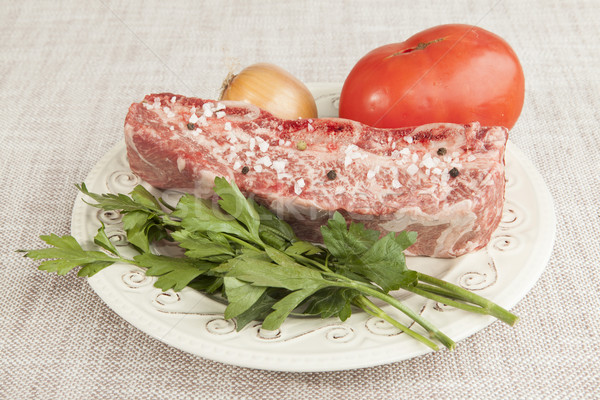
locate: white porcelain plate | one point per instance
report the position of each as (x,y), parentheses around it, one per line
(503,272)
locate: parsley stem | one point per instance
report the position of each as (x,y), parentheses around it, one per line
(239,241)
(447,300)
(369,290)
(440,291)
(370,308)
(317,264)
(491,307)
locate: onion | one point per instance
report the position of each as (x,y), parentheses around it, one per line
(273,89)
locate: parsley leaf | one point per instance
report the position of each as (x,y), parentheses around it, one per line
(200,215)
(103,241)
(173,273)
(384,264)
(68,254)
(211,247)
(283,308)
(259,310)
(332,302)
(109,201)
(265,273)
(269,222)
(346,242)
(302,247)
(236,205)
(240,295)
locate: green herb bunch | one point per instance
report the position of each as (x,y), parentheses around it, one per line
(244,252)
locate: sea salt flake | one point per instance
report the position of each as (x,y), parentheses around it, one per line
(396,184)
(237,165)
(220,114)
(266,161)
(258,168)
(412,169)
(351,148)
(252,143)
(445,175)
(298,185)
(471,158)
(405,151)
(193,118)
(180,164)
(227,126)
(230,157)
(310,128)
(408,139)
(279,165)
(347,161)
(428,163)
(262,144)
(207,109)
(173,99)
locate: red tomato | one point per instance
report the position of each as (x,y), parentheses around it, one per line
(448,73)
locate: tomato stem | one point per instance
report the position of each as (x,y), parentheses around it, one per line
(420,46)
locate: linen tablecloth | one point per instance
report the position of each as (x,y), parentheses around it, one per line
(69,71)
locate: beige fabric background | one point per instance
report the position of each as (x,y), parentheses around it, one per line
(70,69)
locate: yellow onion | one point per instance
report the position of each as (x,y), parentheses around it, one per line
(273,89)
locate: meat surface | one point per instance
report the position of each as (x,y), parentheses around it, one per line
(444,181)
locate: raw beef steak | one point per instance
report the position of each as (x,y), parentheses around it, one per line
(444,181)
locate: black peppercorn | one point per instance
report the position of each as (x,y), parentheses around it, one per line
(454,172)
(331,175)
(245,170)
(441,151)
(191,126)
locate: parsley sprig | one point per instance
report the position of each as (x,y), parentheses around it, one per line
(242,251)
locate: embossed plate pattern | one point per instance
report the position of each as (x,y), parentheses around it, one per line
(504,272)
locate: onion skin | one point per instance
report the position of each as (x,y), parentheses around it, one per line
(273,89)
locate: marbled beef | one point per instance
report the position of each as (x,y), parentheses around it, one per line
(444,181)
